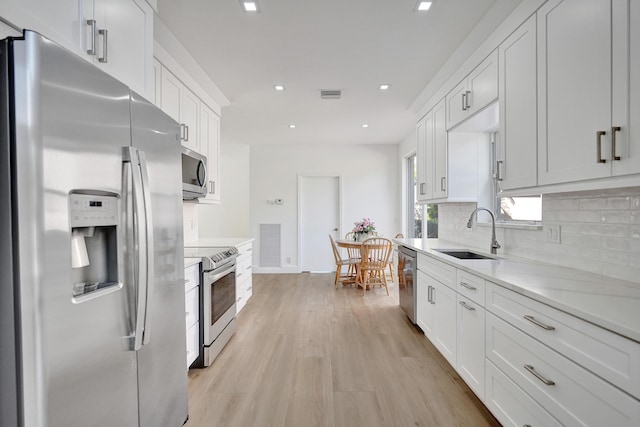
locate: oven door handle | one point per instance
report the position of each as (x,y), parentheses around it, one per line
(214,275)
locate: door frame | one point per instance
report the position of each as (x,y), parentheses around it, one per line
(300,178)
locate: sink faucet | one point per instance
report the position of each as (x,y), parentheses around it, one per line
(494,243)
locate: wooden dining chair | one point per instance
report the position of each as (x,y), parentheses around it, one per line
(352,253)
(398,236)
(351,263)
(375,253)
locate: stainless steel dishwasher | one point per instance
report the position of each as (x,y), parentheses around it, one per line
(407,273)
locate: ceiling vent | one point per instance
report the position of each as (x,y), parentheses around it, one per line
(330,94)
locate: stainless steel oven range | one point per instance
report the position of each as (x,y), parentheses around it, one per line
(217,300)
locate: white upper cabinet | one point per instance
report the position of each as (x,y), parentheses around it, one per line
(116,35)
(439,150)
(583,91)
(423,157)
(628,142)
(210,147)
(476,91)
(183,106)
(124,41)
(432,154)
(517,151)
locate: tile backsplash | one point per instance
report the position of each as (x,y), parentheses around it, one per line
(599,232)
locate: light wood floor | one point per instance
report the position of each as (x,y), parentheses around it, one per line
(306,354)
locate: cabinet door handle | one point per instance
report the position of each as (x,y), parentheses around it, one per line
(539,323)
(466,100)
(183,132)
(443,183)
(498,170)
(599,135)
(468,286)
(538,376)
(92,24)
(429,294)
(212,187)
(105,38)
(467,306)
(186,132)
(464,103)
(422,188)
(614,129)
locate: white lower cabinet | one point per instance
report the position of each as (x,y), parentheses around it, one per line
(444,300)
(512,406)
(531,364)
(192,311)
(244,278)
(436,308)
(470,345)
(567,391)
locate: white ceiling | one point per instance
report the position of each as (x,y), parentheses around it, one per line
(308,45)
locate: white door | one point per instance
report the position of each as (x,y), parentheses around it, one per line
(319,217)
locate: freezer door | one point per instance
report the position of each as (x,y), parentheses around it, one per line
(71,122)
(162,374)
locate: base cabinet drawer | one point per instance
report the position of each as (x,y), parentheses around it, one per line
(567,391)
(191,306)
(192,343)
(512,406)
(612,357)
(191,277)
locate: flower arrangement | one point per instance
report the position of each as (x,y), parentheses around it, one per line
(362,228)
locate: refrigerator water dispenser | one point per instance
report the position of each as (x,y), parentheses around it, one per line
(94,241)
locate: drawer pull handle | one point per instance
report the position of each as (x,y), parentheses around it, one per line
(526,425)
(538,376)
(538,323)
(248,268)
(468,286)
(467,306)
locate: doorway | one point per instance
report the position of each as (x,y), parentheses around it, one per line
(318,216)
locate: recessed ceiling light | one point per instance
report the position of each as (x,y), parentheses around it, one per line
(385,86)
(292,126)
(250,5)
(279,88)
(423,6)
(365,125)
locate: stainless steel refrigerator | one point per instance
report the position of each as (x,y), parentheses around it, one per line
(91,247)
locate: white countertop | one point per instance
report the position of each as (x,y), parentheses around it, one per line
(214,242)
(218,242)
(609,303)
(188,262)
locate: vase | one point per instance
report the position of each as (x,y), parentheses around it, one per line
(361,237)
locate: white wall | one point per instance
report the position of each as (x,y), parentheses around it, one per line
(231,217)
(600,232)
(370,188)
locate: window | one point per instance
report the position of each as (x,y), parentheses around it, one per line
(520,208)
(432,221)
(414,210)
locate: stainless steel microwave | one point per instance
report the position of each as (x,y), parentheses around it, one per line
(194,175)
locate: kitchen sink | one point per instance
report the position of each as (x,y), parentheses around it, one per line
(461,254)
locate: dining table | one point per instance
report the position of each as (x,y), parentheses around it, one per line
(353,249)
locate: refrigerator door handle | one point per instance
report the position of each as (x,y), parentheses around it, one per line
(130,155)
(149,238)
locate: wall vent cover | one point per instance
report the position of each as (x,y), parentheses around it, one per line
(270,245)
(330,93)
